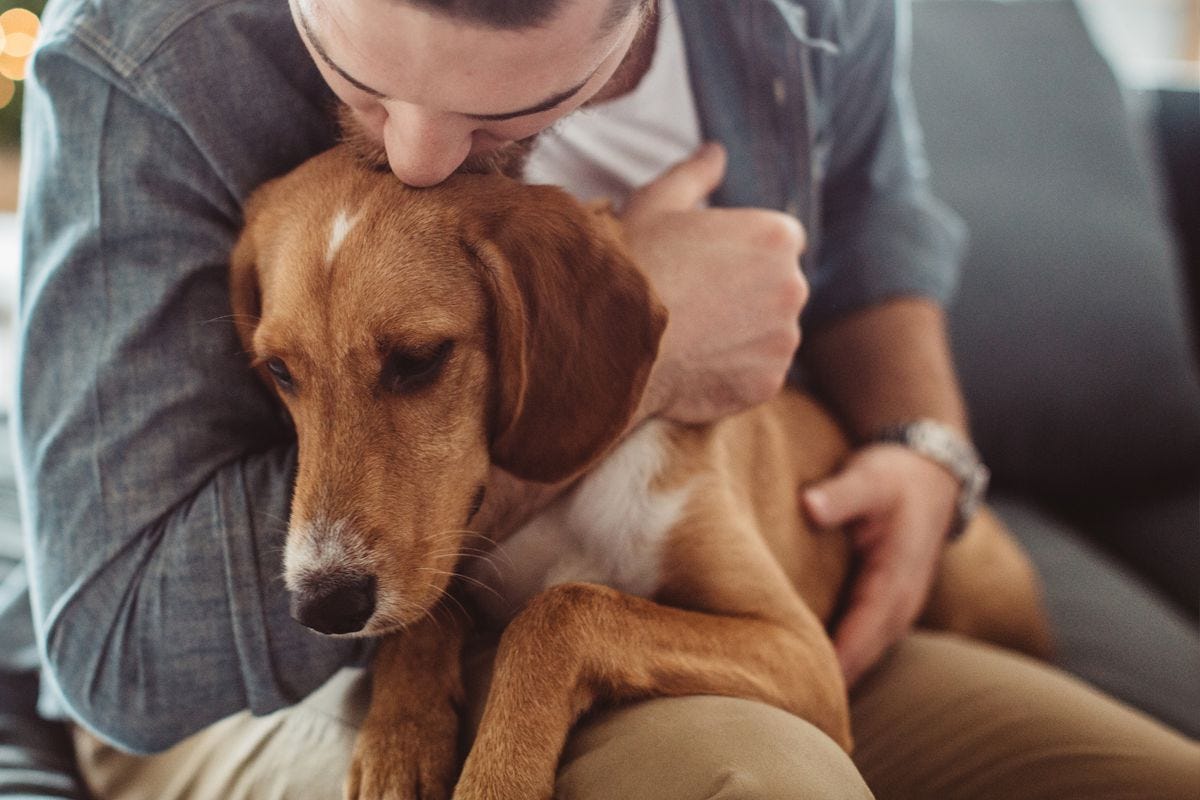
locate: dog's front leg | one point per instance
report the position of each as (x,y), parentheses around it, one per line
(408,746)
(578,644)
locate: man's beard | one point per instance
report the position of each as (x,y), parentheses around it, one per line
(508,159)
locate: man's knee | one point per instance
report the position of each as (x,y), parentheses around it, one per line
(949,718)
(704,748)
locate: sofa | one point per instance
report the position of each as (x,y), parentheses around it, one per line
(1073,328)
(1072,331)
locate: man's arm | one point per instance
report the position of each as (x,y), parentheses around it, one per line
(887,364)
(154,470)
(876,344)
(882,366)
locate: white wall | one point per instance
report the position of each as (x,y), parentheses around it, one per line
(8,303)
(1148,41)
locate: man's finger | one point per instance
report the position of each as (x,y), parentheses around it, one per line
(683,186)
(846,496)
(865,631)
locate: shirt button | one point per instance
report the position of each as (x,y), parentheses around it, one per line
(780,89)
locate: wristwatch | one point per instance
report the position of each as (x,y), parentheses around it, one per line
(944,446)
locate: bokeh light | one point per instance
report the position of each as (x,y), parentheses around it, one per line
(18,44)
(20,20)
(18,33)
(12,67)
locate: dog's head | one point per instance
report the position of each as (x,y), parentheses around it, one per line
(417,337)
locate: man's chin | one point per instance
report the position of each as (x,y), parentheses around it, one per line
(508,159)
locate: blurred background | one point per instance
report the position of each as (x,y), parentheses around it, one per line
(18,32)
(19,27)
(1152,43)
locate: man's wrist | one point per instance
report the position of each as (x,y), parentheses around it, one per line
(949,449)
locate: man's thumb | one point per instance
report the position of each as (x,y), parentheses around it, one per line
(838,500)
(685,185)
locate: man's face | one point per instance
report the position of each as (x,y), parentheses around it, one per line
(433,90)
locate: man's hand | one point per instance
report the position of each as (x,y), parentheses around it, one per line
(898,506)
(730,279)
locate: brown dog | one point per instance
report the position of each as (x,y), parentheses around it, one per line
(419,337)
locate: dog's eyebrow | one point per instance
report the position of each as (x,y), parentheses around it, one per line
(545,105)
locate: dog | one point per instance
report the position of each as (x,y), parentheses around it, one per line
(421,338)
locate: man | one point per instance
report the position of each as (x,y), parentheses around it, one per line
(156,472)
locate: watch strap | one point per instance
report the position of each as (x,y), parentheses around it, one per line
(944,446)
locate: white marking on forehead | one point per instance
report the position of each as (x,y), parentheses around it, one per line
(343,223)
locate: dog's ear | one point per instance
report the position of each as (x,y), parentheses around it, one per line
(245,293)
(243,288)
(576,328)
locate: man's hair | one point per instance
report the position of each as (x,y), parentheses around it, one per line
(517,14)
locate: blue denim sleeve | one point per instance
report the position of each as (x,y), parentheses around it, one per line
(154,470)
(883,234)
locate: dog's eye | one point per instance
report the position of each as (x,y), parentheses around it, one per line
(280,373)
(405,371)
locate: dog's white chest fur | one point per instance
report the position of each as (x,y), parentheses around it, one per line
(609,529)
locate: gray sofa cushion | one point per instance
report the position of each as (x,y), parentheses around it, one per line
(1069,330)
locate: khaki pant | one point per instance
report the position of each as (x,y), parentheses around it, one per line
(941,719)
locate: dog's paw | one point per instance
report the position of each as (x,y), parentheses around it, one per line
(401,763)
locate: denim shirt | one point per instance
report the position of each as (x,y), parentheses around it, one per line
(155,470)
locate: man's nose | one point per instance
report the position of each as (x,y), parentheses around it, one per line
(424,149)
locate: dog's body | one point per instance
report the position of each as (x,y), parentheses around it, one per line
(646,510)
(418,337)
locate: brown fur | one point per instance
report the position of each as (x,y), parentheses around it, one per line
(554,333)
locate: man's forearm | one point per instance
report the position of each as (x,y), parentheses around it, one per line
(886,364)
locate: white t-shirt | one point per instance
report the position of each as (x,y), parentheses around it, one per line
(611,148)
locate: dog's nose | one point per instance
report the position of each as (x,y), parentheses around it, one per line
(341,607)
